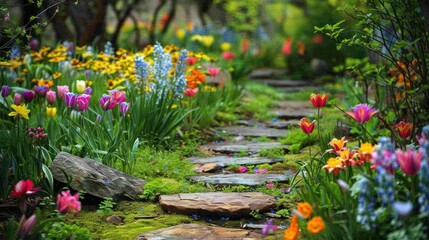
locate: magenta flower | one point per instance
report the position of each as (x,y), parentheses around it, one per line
(123,108)
(117,96)
(82,102)
(26,225)
(268,227)
(17,99)
(213,71)
(88,91)
(191,92)
(106,102)
(62,91)
(270,184)
(67,203)
(22,188)
(70,99)
(51,96)
(5,91)
(242,169)
(261,171)
(362,113)
(409,161)
(41,91)
(28,95)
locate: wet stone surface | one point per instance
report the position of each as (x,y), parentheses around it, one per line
(284,83)
(243,146)
(201,232)
(227,161)
(257,131)
(282,124)
(233,205)
(245,179)
(294,113)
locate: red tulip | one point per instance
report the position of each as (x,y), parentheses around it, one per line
(191,92)
(404,129)
(213,71)
(192,60)
(228,55)
(287,47)
(306,126)
(22,188)
(409,161)
(319,100)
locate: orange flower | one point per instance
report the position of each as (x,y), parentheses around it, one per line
(319,100)
(301,48)
(334,165)
(337,145)
(292,232)
(306,126)
(196,78)
(365,152)
(315,225)
(404,129)
(348,157)
(305,209)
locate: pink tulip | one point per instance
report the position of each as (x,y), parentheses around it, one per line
(123,108)
(62,90)
(117,96)
(26,225)
(22,188)
(213,71)
(409,161)
(51,97)
(17,99)
(228,55)
(191,92)
(82,102)
(362,113)
(67,203)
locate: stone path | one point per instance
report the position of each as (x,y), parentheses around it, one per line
(221,204)
(243,147)
(245,179)
(200,232)
(255,131)
(225,161)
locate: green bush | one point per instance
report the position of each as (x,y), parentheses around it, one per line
(61,231)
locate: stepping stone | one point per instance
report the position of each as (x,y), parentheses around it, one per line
(294,113)
(207,167)
(200,232)
(243,146)
(246,122)
(282,124)
(266,73)
(254,131)
(298,89)
(294,104)
(283,83)
(246,179)
(227,161)
(233,205)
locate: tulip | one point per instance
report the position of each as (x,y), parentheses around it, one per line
(306,126)
(17,99)
(404,129)
(70,99)
(319,100)
(191,92)
(80,86)
(409,161)
(41,91)
(88,91)
(51,112)
(191,60)
(67,203)
(26,225)
(343,185)
(62,90)
(228,55)
(242,169)
(33,44)
(362,113)
(29,95)
(51,97)
(107,103)
(5,91)
(22,188)
(287,47)
(225,46)
(82,102)
(123,108)
(213,71)
(117,96)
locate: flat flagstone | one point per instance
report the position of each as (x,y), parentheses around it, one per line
(284,83)
(256,131)
(266,73)
(200,232)
(246,179)
(298,89)
(282,124)
(294,113)
(243,146)
(227,161)
(233,205)
(294,104)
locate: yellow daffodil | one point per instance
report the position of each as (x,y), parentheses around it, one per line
(180,33)
(20,111)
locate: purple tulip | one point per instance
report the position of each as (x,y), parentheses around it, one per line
(17,99)
(51,96)
(107,103)
(26,225)
(62,90)
(82,102)
(123,108)
(87,74)
(88,91)
(29,95)
(5,91)
(41,90)
(70,99)
(33,44)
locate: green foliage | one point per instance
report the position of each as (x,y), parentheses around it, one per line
(169,186)
(60,231)
(256,214)
(283,212)
(272,153)
(243,15)
(106,206)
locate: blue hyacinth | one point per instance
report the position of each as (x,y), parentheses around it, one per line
(162,66)
(179,74)
(424,172)
(365,212)
(143,71)
(108,49)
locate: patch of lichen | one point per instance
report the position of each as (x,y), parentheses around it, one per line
(130,228)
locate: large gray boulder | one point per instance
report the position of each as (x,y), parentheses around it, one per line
(95,178)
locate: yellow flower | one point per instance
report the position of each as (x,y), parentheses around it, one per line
(80,86)
(51,112)
(180,33)
(315,225)
(225,46)
(207,40)
(197,37)
(20,111)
